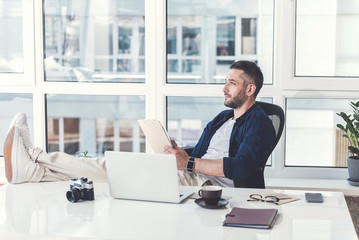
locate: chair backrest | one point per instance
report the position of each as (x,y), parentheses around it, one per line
(276,114)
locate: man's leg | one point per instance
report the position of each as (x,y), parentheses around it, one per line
(62,166)
(25,164)
(191,179)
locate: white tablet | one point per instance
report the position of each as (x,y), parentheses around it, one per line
(155,134)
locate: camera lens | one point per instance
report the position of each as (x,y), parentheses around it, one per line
(73,195)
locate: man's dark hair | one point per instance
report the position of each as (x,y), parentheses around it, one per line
(252,71)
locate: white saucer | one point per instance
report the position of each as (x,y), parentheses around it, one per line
(353,183)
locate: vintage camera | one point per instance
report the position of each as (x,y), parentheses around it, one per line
(80,189)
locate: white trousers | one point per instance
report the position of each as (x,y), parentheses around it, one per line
(59,166)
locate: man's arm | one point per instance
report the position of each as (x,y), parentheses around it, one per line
(209,167)
(204,166)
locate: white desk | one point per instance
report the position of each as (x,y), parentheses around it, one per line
(41,211)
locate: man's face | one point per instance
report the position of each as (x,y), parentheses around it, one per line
(235,89)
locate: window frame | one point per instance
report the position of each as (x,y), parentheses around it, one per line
(156,90)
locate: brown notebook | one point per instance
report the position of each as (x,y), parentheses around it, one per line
(251,217)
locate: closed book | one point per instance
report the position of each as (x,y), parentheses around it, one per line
(251,217)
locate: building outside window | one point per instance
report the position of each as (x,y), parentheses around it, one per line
(199,53)
(98,41)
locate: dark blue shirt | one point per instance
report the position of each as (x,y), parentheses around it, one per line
(251,142)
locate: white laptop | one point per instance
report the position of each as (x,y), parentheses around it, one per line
(141,176)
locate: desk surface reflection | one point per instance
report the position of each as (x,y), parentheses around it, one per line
(41,211)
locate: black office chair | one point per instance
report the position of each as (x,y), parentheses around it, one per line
(276,114)
(256,180)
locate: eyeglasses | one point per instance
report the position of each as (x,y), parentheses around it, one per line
(260,198)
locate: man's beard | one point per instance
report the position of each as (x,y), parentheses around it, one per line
(237,101)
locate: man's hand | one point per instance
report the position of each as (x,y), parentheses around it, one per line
(181,156)
(205,166)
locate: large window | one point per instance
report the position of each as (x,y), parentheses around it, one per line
(94,41)
(99,42)
(205,37)
(85,71)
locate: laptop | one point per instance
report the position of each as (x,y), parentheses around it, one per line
(141,176)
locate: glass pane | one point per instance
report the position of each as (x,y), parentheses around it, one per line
(225,36)
(91,124)
(312,138)
(10,105)
(327,35)
(205,37)
(11,49)
(95,41)
(249,31)
(188,116)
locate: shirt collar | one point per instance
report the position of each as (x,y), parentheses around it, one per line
(230,114)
